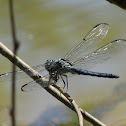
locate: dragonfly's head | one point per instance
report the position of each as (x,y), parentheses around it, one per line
(51,65)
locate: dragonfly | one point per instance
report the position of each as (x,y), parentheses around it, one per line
(82,57)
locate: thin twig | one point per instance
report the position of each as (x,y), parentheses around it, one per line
(51,89)
(15,43)
(77,109)
(80,117)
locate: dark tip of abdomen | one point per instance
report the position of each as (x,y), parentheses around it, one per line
(116,76)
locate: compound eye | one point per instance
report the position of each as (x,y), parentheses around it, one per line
(48,62)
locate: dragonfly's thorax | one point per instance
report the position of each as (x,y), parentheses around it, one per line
(57,65)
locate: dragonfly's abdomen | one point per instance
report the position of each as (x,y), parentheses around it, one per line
(90,73)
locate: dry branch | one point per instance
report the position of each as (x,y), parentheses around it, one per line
(15,49)
(119,3)
(53,90)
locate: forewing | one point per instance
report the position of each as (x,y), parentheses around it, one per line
(21,74)
(100,55)
(89,42)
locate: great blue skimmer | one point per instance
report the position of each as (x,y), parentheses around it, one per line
(78,60)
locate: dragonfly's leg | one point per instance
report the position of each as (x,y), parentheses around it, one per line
(66,81)
(53,77)
(56,77)
(63,81)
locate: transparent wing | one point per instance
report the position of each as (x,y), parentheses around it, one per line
(89,43)
(21,74)
(32,85)
(100,55)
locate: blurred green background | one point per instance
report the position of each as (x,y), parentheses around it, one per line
(48,29)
